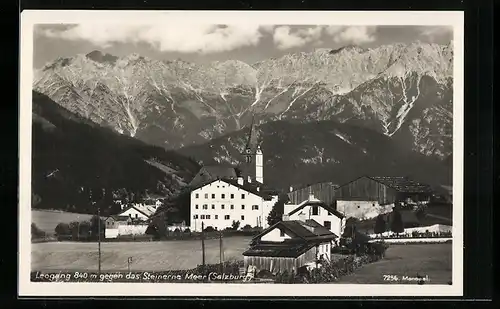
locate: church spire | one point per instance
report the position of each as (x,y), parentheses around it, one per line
(252,141)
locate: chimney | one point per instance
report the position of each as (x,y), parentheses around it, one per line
(311,197)
(258,189)
(286,217)
(249,179)
(291,188)
(302,216)
(240,181)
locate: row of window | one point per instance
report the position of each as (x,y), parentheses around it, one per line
(216,217)
(222,196)
(205,206)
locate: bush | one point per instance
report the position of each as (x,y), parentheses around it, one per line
(36,232)
(247,227)
(236,225)
(62,229)
(187,231)
(209,229)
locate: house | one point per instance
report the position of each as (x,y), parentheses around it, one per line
(289,245)
(113,223)
(212,172)
(313,208)
(222,201)
(368,196)
(138,211)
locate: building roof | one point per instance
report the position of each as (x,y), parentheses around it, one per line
(119,218)
(284,249)
(212,172)
(310,230)
(319,203)
(402,184)
(146,210)
(251,187)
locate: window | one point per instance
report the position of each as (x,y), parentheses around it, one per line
(195,217)
(216,217)
(327,224)
(282,233)
(222,206)
(207,217)
(202,216)
(213,195)
(206,195)
(315,210)
(232,206)
(242,196)
(196,206)
(242,206)
(197,195)
(242,217)
(213,206)
(255,207)
(232,195)
(222,196)
(226,217)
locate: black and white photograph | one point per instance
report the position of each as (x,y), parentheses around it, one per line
(242,153)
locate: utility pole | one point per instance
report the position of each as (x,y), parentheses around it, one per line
(221,252)
(202,246)
(99,237)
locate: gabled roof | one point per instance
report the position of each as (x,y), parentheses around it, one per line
(246,186)
(310,230)
(284,249)
(321,204)
(119,218)
(145,211)
(211,172)
(402,184)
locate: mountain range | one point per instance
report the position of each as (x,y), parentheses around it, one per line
(402,92)
(76,162)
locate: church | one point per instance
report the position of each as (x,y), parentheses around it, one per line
(223,194)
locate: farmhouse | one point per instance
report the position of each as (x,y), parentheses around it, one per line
(289,245)
(313,208)
(113,223)
(220,202)
(139,211)
(366,197)
(225,194)
(325,191)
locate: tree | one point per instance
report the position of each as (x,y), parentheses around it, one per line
(379,225)
(36,232)
(276,213)
(94,226)
(397,222)
(235,226)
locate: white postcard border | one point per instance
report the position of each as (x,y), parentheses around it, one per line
(434,18)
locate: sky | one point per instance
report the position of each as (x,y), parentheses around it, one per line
(206,43)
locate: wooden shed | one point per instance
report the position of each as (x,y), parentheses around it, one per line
(325,191)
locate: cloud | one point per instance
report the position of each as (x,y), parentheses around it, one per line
(434,32)
(195,38)
(352,34)
(285,38)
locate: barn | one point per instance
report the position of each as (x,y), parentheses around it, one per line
(368,196)
(324,191)
(289,245)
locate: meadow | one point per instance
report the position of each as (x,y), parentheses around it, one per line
(432,260)
(146,256)
(47,220)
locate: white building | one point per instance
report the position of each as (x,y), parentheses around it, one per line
(319,211)
(220,202)
(139,211)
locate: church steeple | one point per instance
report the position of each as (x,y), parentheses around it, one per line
(253,158)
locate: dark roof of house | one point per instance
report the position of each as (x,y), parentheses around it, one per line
(402,184)
(119,218)
(325,206)
(284,249)
(138,209)
(208,173)
(310,230)
(251,187)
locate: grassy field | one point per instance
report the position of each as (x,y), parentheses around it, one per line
(433,260)
(147,256)
(47,220)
